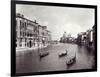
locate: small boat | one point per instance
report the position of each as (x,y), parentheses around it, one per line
(63,53)
(71,60)
(43,54)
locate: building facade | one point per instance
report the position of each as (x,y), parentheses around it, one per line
(29,33)
(87,38)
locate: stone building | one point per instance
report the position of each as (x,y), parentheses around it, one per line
(44,36)
(48,37)
(29,33)
(87,38)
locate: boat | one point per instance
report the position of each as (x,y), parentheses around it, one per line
(71,60)
(63,53)
(43,54)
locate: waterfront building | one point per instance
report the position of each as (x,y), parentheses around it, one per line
(24,31)
(29,33)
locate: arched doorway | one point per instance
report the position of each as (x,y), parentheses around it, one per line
(30,44)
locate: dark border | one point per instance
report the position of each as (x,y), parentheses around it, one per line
(13,39)
(13,36)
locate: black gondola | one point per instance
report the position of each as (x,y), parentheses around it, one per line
(43,54)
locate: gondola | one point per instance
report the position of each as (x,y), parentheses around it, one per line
(71,61)
(63,53)
(43,54)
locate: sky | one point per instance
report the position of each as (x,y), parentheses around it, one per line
(59,19)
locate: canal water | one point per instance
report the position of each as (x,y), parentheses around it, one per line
(29,61)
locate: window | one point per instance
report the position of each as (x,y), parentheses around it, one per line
(27,34)
(20,33)
(23,34)
(20,24)
(25,25)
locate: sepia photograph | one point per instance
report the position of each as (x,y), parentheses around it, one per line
(54,38)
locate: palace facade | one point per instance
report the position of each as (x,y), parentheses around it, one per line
(30,33)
